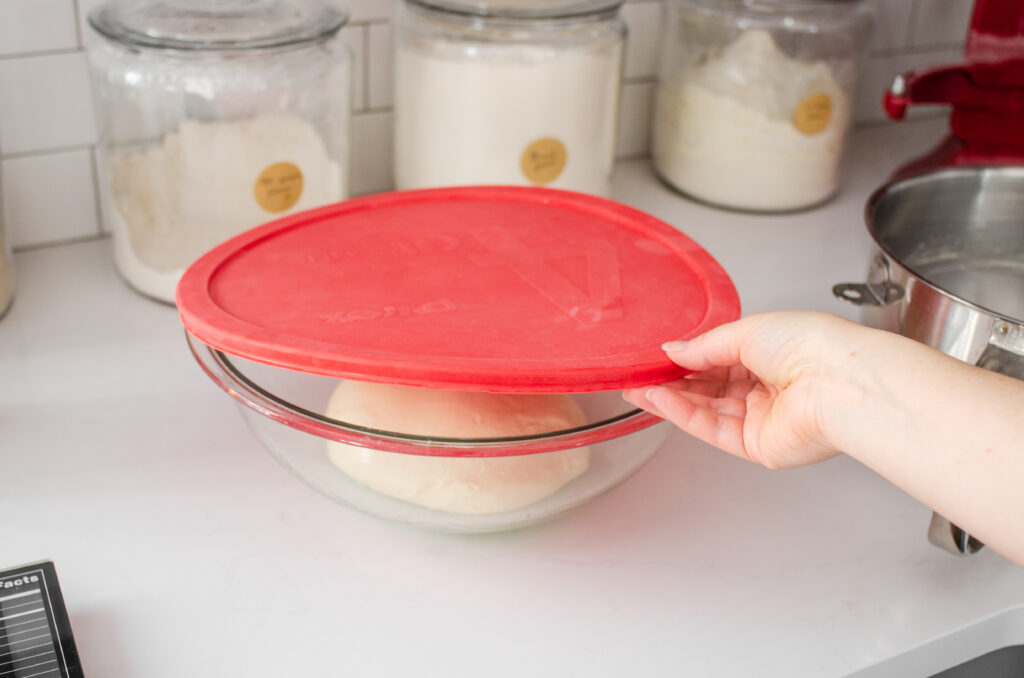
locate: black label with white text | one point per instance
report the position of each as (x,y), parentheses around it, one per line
(35,633)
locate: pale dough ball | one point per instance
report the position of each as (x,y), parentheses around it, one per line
(456,485)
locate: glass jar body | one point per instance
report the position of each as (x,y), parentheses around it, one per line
(527,102)
(196,147)
(754,100)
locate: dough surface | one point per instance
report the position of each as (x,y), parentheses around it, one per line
(456,485)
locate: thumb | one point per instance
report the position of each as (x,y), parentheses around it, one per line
(722,346)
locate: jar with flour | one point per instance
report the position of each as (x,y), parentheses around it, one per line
(754,99)
(215,116)
(507,92)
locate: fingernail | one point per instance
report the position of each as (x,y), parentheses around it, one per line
(651,407)
(674,345)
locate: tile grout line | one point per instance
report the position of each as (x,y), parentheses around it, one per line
(915,10)
(94,164)
(374,111)
(875,53)
(912,51)
(57,243)
(78,24)
(41,53)
(35,153)
(366,67)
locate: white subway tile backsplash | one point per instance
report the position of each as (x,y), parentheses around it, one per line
(635,119)
(941,22)
(37,26)
(355,37)
(49,198)
(892,24)
(381,66)
(367,10)
(45,103)
(47,125)
(85,7)
(371,153)
(644,22)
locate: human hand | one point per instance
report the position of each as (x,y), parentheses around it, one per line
(786,389)
(763,388)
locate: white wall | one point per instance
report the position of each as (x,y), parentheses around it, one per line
(47,130)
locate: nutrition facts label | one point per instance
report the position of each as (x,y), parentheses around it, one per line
(35,635)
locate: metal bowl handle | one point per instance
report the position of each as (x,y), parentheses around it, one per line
(951,538)
(858,294)
(880,293)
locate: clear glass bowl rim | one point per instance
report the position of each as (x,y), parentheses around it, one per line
(228,377)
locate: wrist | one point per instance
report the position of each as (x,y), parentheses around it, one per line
(858,402)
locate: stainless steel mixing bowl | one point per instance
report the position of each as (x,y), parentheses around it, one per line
(950,273)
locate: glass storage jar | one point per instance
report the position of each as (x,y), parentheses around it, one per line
(215,116)
(754,99)
(507,92)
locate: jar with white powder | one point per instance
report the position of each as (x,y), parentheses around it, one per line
(507,92)
(215,116)
(754,99)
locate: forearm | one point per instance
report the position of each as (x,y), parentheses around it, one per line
(945,432)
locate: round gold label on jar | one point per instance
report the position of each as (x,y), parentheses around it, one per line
(278,187)
(813,113)
(543,160)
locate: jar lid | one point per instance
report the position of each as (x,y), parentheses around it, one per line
(523,9)
(776,5)
(216,24)
(503,289)
(818,9)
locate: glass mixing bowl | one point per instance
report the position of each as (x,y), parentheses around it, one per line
(453,358)
(287,411)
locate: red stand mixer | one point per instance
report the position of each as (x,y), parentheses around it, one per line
(986,93)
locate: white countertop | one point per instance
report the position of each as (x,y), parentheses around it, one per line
(184,549)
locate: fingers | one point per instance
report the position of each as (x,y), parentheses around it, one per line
(718,422)
(772,346)
(728,406)
(728,386)
(743,375)
(638,398)
(723,374)
(723,395)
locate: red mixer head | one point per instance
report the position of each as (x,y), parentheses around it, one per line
(986,92)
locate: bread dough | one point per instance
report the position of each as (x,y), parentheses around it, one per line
(456,484)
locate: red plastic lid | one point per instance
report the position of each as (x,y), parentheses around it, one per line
(503,289)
